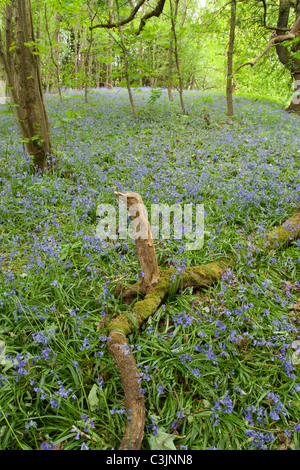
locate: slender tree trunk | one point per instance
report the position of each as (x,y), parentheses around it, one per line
(140,50)
(24,80)
(38,31)
(126,73)
(56,83)
(126,64)
(229,100)
(109,79)
(82,61)
(152,61)
(54,52)
(47,83)
(193,82)
(87,66)
(176,52)
(97,67)
(76,59)
(140,61)
(170,69)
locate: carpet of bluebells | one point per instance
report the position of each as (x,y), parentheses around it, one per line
(219,368)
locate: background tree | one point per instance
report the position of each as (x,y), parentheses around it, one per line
(174,15)
(285,39)
(18,53)
(289,53)
(229,84)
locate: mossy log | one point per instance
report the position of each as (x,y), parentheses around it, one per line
(197,277)
(134,400)
(283,234)
(121,326)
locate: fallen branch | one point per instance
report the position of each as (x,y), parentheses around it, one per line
(121,326)
(283,234)
(134,399)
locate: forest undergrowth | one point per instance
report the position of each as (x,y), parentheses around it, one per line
(219,367)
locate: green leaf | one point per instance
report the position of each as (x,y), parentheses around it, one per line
(2,351)
(296,354)
(72,114)
(163,441)
(7,363)
(93,398)
(292,41)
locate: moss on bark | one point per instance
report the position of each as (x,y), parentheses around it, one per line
(283,234)
(197,276)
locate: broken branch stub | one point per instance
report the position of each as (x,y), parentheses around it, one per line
(142,235)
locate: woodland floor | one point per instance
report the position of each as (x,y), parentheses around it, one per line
(219,367)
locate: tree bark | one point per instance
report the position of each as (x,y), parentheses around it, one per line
(281,35)
(295,103)
(284,55)
(126,64)
(229,100)
(152,61)
(56,82)
(88,64)
(76,48)
(140,63)
(38,31)
(176,52)
(24,80)
(54,52)
(170,95)
(109,79)
(144,243)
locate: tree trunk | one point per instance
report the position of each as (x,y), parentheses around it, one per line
(176,52)
(126,64)
(38,30)
(152,61)
(193,82)
(170,95)
(109,79)
(82,60)
(88,66)
(56,84)
(291,62)
(140,63)
(54,52)
(229,100)
(295,103)
(76,59)
(97,67)
(24,81)
(126,73)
